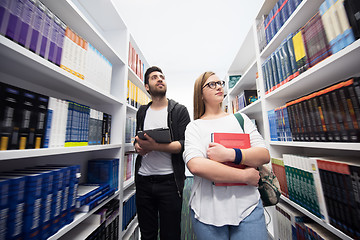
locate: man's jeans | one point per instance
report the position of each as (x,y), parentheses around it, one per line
(158,201)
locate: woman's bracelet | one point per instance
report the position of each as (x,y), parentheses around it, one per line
(238,156)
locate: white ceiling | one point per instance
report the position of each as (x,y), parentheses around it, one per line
(185,38)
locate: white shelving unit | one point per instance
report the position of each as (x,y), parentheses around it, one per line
(248,62)
(101,25)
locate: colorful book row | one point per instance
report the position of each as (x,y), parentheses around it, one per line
(329,114)
(31,24)
(327,32)
(327,187)
(37,201)
(135,62)
(129,211)
(292,224)
(135,96)
(30,120)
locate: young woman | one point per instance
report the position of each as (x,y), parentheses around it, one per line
(223,212)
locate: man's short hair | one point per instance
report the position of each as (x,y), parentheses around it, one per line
(149,71)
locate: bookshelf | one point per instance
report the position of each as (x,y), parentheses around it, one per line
(99,23)
(248,61)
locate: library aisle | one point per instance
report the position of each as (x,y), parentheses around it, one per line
(72,80)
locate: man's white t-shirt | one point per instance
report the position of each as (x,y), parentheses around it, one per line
(219,205)
(156,163)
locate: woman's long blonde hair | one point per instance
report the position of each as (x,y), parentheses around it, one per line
(199,106)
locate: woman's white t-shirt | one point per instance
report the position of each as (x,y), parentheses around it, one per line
(219,205)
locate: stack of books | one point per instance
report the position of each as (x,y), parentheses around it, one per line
(330,114)
(327,187)
(135,62)
(40,200)
(34,26)
(30,120)
(331,29)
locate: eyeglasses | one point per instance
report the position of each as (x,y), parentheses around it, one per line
(160,76)
(212,85)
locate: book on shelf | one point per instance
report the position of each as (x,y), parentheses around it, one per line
(44,38)
(129,166)
(102,171)
(15,223)
(4,206)
(129,211)
(47,204)
(299,51)
(340,181)
(32,201)
(233,80)
(346,31)
(28,120)
(88,192)
(13,20)
(290,50)
(33,39)
(278,167)
(23,118)
(26,19)
(328,114)
(313,230)
(260,29)
(352,8)
(290,221)
(272,125)
(232,140)
(11,116)
(333,37)
(108,212)
(315,41)
(97,201)
(42,102)
(304,184)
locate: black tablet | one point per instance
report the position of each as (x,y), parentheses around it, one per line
(160,135)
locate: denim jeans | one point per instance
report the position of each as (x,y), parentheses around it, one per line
(158,201)
(253,227)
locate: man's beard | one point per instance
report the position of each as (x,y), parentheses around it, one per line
(157,93)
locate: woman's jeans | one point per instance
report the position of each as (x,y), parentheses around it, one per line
(253,227)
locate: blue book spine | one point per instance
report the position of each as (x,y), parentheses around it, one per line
(4,15)
(15,221)
(45,30)
(48,128)
(69,123)
(280,70)
(14,22)
(293,64)
(33,198)
(276,80)
(287,125)
(26,18)
(4,207)
(283,8)
(85,199)
(51,54)
(59,41)
(37,21)
(285,61)
(264,78)
(278,19)
(97,201)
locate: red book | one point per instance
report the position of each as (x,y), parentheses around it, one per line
(232,140)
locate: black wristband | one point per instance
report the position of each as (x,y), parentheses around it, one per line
(238,156)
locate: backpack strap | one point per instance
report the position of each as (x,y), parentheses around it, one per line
(240,120)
